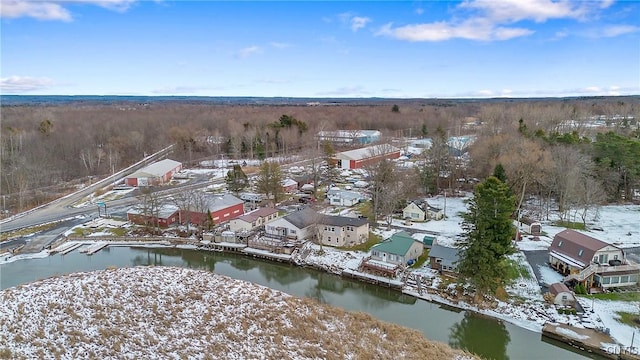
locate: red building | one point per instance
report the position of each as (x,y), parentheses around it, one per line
(222,207)
(155,174)
(165,216)
(358,158)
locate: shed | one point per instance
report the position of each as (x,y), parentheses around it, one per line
(562,295)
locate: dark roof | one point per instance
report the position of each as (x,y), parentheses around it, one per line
(449,255)
(570,243)
(425,206)
(342,221)
(302,218)
(558,288)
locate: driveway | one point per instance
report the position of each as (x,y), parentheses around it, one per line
(538,259)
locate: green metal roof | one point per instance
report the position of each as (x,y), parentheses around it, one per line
(398,244)
(428,240)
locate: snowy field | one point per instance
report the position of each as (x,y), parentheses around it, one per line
(174,313)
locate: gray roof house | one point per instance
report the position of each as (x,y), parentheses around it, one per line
(444,258)
(343,230)
(298,225)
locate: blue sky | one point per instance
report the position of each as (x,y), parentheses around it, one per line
(398,49)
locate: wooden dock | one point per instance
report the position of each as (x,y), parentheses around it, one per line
(94,248)
(587,340)
(70,248)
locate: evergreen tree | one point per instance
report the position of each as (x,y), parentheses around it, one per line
(488,237)
(269,181)
(236,179)
(499,173)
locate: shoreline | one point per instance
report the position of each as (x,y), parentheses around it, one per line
(530,325)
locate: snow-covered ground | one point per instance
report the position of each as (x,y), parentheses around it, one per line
(172,313)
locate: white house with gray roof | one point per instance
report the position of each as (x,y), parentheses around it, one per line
(343,197)
(299,225)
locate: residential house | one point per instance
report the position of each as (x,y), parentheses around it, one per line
(343,197)
(254,219)
(155,174)
(164,216)
(399,249)
(421,211)
(222,208)
(444,258)
(562,295)
(594,263)
(343,231)
(299,225)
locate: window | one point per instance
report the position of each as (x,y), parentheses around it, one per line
(615,257)
(292,231)
(333,229)
(606,280)
(325,228)
(615,279)
(564,297)
(624,278)
(580,253)
(633,278)
(560,243)
(438,260)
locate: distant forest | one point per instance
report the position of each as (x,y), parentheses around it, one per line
(546,146)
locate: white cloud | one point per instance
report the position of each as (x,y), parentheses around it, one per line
(358,22)
(37,10)
(55,10)
(22,84)
(473,29)
(355,22)
(517,10)
(617,30)
(249,51)
(491,20)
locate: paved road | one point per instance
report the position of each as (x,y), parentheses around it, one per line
(60,208)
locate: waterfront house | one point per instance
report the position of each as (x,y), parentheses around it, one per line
(299,225)
(444,258)
(254,219)
(399,249)
(591,262)
(343,230)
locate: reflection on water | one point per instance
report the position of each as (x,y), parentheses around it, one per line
(479,335)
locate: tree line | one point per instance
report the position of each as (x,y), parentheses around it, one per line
(45,149)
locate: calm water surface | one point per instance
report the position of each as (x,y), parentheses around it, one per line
(483,336)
